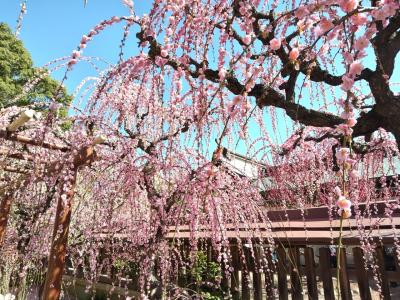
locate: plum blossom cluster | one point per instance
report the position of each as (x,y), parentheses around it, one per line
(238,106)
(343,204)
(345,159)
(348,115)
(76,54)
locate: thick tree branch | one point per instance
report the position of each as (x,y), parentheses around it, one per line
(266,96)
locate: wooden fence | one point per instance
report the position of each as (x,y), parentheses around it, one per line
(300,273)
(301,265)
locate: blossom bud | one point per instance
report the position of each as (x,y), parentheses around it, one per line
(344,213)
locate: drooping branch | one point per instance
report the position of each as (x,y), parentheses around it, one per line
(265,96)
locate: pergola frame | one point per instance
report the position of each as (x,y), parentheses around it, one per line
(85,156)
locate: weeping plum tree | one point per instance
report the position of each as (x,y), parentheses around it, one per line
(287,82)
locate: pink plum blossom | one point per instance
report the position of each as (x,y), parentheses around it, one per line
(348,5)
(222,73)
(247,39)
(351,122)
(354,174)
(76,54)
(85,39)
(164,53)
(347,114)
(338,191)
(342,154)
(359,19)
(343,202)
(294,54)
(325,24)
(361,43)
(302,12)
(344,129)
(355,68)
(275,44)
(347,83)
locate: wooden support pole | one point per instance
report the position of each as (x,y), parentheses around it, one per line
(311,274)
(295,275)
(345,289)
(269,275)
(6,199)
(282,277)
(246,267)
(5,206)
(325,273)
(361,273)
(224,281)
(255,268)
(235,292)
(380,255)
(58,250)
(52,287)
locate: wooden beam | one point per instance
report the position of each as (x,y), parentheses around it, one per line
(7,135)
(16,155)
(14,170)
(24,117)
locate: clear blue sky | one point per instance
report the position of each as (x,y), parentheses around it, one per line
(52,29)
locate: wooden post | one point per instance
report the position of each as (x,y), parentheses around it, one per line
(6,200)
(325,273)
(255,268)
(52,287)
(5,206)
(361,273)
(345,289)
(380,255)
(295,275)
(224,281)
(182,276)
(269,275)
(311,275)
(246,267)
(235,274)
(282,277)
(58,250)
